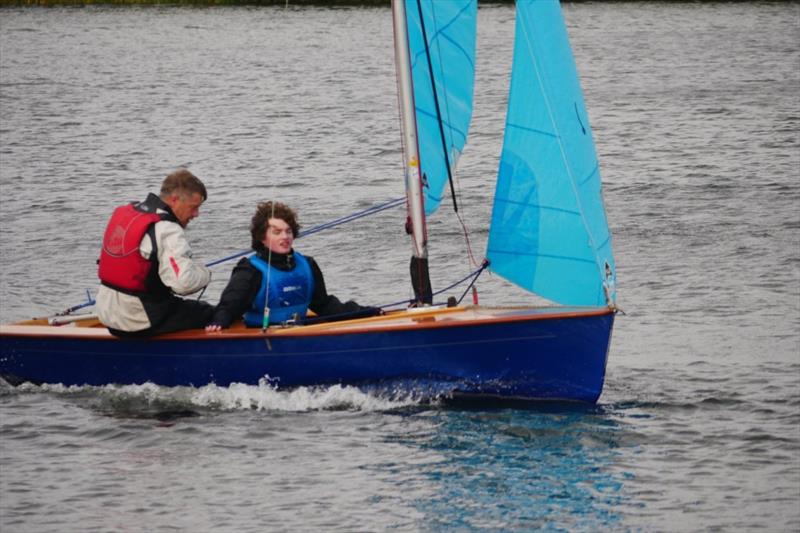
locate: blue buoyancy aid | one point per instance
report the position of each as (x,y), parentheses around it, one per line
(290,291)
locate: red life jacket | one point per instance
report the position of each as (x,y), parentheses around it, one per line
(122,267)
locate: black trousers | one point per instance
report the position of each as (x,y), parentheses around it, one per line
(183,314)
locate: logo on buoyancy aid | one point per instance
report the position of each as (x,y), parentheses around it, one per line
(115,243)
(292,288)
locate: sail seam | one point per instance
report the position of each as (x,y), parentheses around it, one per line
(441,33)
(533,130)
(589,176)
(448,123)
(538,206)
(547,256)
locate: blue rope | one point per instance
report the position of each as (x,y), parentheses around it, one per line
(354,216)
(89,301)
(327,225)
(349,218)
(331,224)
(471,283)
(474,274)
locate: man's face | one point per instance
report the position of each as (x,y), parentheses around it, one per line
(185,206)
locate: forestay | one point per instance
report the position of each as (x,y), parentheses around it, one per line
(548,230)
(450,29)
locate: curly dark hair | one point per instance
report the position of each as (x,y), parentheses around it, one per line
(260,221)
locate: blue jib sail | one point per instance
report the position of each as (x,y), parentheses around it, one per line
(449,29)
(548,231)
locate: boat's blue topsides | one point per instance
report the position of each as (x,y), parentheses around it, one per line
(540,353)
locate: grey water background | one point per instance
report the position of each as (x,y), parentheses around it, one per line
(696,116)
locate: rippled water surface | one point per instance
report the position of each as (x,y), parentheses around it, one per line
(697,121)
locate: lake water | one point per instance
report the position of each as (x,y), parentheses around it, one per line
(697,121)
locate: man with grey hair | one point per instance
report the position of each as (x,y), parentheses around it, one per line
(146,263)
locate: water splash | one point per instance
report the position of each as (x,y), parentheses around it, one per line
(150,400)
(266,397)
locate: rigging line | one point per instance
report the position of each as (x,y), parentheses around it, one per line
(436,103)
(353,216)
(89,301)
(343,220)
(464,229)
(474,279)
(349,218)
(470,257)
(265,319)
(474,274)
(451,173)
(459,282)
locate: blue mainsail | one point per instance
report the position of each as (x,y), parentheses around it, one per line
(449,42)
(548,232)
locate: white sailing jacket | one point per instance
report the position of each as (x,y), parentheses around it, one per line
(176,268)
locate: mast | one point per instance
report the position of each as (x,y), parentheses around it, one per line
(415,224)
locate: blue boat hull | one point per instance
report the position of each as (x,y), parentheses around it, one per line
(524,355)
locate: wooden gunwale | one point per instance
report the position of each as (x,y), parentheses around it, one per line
(414,319)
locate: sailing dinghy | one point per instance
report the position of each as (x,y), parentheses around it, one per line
(548,235)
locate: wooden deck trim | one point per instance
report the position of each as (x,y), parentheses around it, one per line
(414,319)
(420,322)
